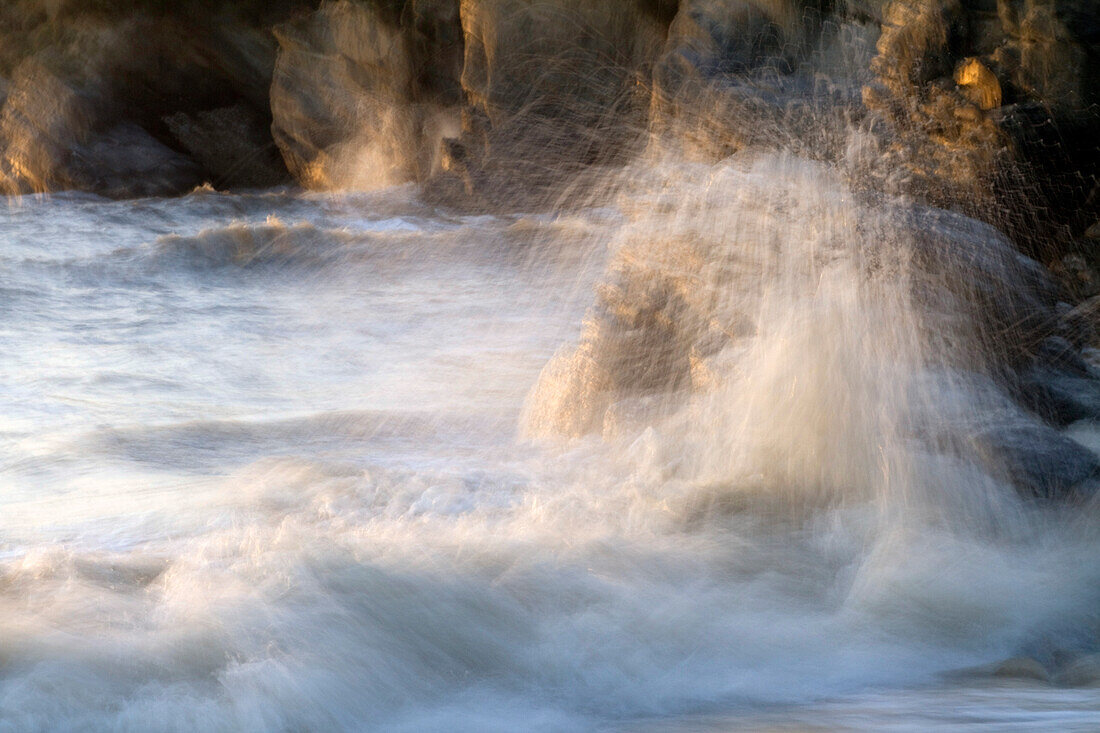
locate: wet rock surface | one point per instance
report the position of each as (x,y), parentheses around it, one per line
(92,86)
(363,93)
(1039,460)
(991,102)
(987,105)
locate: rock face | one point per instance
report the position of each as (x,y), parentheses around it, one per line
(481,97)
(223,142)
(723,61)
(138,98)
(557,73)
(991,102)
(362,94)
(481,100)
(550,90)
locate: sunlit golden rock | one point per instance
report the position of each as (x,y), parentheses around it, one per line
(355,99)
(979,84)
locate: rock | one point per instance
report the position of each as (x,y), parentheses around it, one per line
(981,420)
(126,161)
(92,81)
(1057,49)
(1020,668)
(710,38)
(636,344)
(1034,68)
(1059,353)
(912,49)
(729,79)
(568,61)
(553,89)
(1081,672)
(43,119)
(357,97)
(980,84)
(1082,323)
(1013,294)
(1037,459)
(1059,395)
(945,150)
(989,106)
(1078,278)
(222,142)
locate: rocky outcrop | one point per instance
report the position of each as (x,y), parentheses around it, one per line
(983,107)
(551,89)
(728,62)
(137,98)
(992,107)
(767,296)
(225,143)
(364,92)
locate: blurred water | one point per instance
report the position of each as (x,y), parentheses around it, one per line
(266,467)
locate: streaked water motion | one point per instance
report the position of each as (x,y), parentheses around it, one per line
(701,458)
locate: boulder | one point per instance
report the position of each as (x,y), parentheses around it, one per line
(1038,460)
(1081,323)
(1011,298)
(1059,395)
(42,120)
(222,142)
(1058,384)
(126,161)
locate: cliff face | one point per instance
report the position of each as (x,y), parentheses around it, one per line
(987,107)
(363,93)
(984,107)
(994,105)
(137,98)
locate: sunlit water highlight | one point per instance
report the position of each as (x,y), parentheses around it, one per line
(285,462)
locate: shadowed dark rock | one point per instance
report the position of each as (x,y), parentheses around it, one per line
(127,161)
(1039,460)
(85,76)
(363,93)
(224,142)
(993,106)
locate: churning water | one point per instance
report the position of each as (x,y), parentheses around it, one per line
(698,459)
